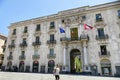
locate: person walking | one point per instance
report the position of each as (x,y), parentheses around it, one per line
(56,72)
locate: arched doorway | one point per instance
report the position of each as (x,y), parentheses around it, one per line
(9,66)
(21,66)
(35,66)
(106,67)
(75,61)
(51,65)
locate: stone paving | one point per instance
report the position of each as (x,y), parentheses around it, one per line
(39,76)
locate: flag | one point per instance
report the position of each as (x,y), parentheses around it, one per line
(62,30)
(87,27)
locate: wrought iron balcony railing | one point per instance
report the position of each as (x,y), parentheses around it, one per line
(36,43)
(105,36)
(106,53)
(35,56)
(51,56)
(24,44)
(51,41)
(10,57)
(11,46)
(22,57)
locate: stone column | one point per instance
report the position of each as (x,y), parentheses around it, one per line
(86,67)
(64,58)
(64,67)
(67,32)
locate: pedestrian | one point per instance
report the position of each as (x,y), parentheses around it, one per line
(56,72)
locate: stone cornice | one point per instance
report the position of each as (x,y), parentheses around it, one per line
(3,37)
(68,13)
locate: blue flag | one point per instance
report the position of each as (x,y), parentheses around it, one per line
(62,30)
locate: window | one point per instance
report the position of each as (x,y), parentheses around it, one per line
(23,53)
(74,33)
(98,17)
(100,32)
(52,37)
(37,38)
(25,29)
(103,50)
(36,52)
(119,14)
(10,53)
(51,51)
(14,32)
(38,27)
(52,25)
(24,40)
(13,42)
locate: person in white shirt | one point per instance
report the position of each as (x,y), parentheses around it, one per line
(56,72)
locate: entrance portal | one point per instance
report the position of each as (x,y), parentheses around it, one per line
(9,66)
(21,66)
(51,65)
(75,61)
(35,66)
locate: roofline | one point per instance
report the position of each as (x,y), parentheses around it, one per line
(87,8)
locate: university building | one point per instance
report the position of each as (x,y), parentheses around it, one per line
(3,39)
(37,45)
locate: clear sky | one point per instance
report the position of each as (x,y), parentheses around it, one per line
(18,10)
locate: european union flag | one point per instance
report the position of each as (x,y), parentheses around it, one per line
(62,30)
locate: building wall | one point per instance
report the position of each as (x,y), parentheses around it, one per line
(2,42)
(110,24)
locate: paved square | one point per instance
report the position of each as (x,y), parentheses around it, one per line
(38,76)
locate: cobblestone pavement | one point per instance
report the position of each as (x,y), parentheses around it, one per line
(36,76)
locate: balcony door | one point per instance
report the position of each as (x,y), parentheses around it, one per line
(51,65)
(101,32)
(35,66)
(21,66)
(9,66)
(74,33)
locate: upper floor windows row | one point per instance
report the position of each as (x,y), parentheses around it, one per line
(99,16)
(38,28)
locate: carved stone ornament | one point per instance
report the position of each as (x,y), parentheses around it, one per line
(73,20)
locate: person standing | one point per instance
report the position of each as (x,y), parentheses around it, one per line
(56,72)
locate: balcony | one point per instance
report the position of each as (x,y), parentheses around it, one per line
(78,39)
(22,57)
(104,54)
(105,36)
(11,46)
(24,44)
(51,41)
(37,56)
(51,56)
(84,37)
(36,43)
(10,57)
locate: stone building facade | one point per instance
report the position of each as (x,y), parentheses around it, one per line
(36,45)
(3,39)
